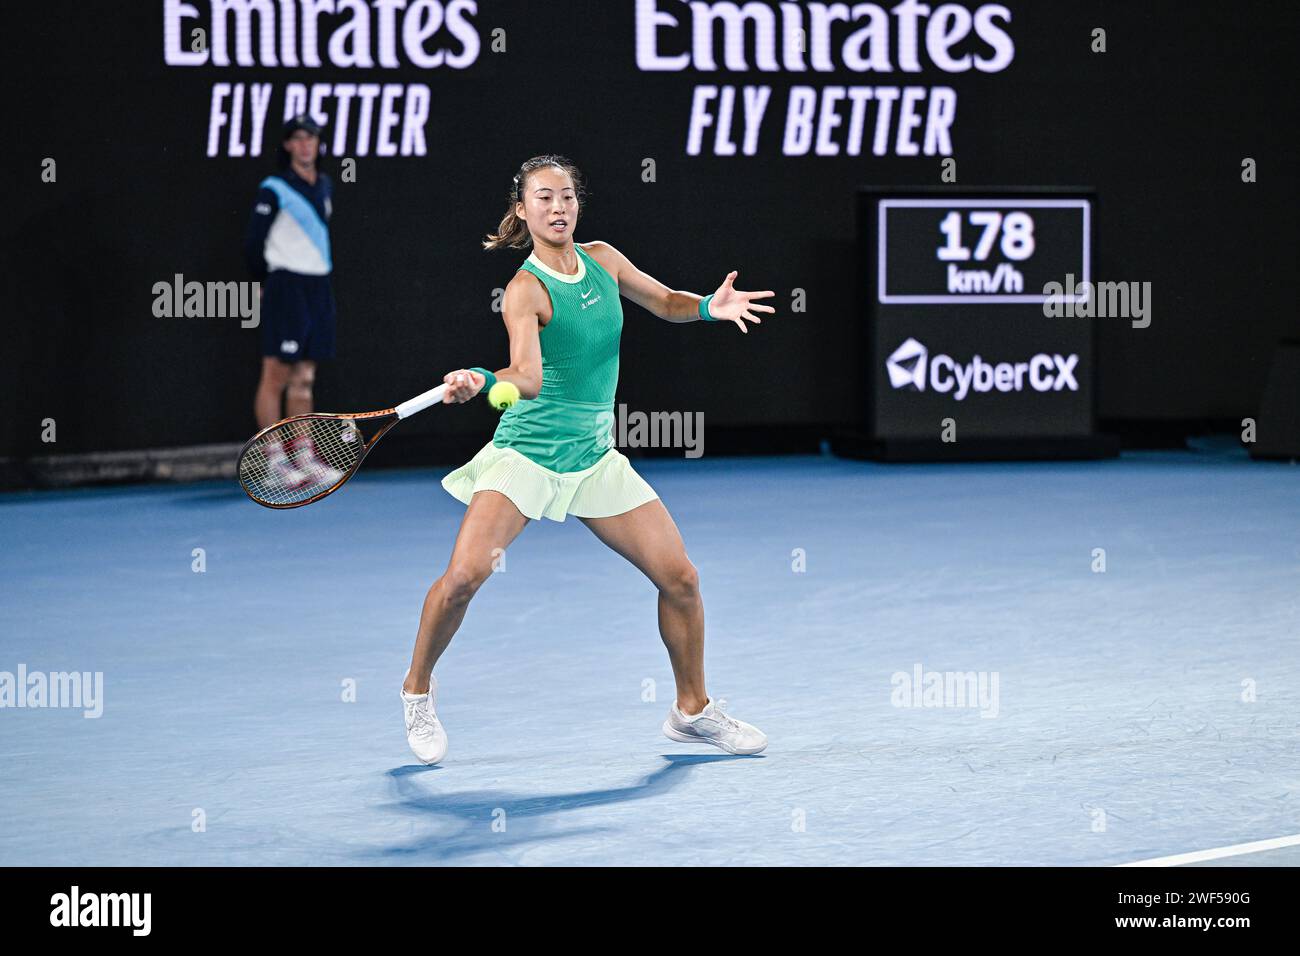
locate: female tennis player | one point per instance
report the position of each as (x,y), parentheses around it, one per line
(552,454)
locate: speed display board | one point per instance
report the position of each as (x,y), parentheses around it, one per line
(957,293)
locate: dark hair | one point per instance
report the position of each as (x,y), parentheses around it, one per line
(513,231)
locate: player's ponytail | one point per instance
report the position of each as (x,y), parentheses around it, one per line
(513,231)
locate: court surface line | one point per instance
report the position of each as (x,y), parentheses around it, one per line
(1237,849)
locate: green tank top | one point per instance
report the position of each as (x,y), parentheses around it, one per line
(569,425)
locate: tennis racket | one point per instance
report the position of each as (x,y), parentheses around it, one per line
(302,459)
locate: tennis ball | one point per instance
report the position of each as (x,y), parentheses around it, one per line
(502,395)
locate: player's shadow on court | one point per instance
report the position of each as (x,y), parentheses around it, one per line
(470,814)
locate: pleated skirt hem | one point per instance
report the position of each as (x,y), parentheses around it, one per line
(609,487)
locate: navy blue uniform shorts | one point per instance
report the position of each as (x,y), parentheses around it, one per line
(297,316)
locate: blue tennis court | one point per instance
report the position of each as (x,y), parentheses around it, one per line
(944,671)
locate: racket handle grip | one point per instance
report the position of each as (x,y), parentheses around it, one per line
(422,401)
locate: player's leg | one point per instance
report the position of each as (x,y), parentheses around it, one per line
(270,391)
(648,537)
(491,522)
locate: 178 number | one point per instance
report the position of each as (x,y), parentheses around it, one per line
(1016,230)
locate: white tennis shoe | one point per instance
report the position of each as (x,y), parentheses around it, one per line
(423,728)
(714,726)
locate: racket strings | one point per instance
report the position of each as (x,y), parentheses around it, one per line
(301,459)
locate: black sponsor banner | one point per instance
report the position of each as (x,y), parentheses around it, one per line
(715,136)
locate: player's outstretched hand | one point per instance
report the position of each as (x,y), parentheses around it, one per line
(735,306)
(462,385)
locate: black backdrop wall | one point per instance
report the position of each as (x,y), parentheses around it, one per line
(1159,124)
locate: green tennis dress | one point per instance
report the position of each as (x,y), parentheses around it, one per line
(554,455)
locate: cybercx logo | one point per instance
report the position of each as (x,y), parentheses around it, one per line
(911,367)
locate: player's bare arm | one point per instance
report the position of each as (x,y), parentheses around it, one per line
(522,309)
(672,305)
